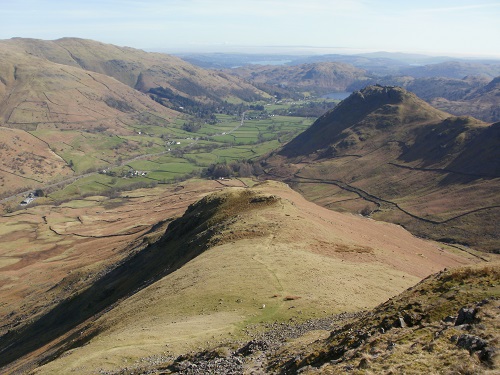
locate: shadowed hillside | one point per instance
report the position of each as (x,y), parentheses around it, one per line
(385,152)
(482,102)
(184,240)
(372,110)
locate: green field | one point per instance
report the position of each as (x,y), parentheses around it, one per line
(166,152)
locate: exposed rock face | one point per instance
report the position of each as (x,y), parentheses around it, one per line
(465,316)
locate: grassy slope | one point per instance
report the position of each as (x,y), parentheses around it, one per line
(65,111)
(254,253)
(139,69)
(376,342)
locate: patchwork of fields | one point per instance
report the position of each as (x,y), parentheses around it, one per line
(164,153)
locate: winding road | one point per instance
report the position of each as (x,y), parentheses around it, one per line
(72,179)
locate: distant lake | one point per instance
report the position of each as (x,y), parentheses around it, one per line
(271,62)
(337,95)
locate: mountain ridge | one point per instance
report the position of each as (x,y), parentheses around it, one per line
(138,69)
(226,257)
(405,161)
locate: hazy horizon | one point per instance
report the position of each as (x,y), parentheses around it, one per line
(461,28)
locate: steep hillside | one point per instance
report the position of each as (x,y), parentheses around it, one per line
(236,258)
(373,111)
(40,94)
(319,78)
(27,161)
(140,70)
(386,152)
(475,96)
(448,323)
(63,114)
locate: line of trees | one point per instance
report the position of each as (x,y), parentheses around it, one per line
(233,169)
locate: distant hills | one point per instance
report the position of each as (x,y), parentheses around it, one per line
(37,92)
(451,84)
(481,102)
(243,275)
(383,151)
(138,69)
(319,78)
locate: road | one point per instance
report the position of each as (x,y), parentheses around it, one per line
(236,128)
(72,179)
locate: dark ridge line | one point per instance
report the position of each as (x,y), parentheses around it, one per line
(57,233)
(138,230)
(50,101)
(243,182)
(99,113)
(102,83)
(105,185)
(140,269)
(75,59)
(48,145)
(467,251)
(470,212)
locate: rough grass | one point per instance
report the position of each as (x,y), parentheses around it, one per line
(377,343)
(254,266)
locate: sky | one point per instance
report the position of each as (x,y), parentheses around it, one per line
(437,27)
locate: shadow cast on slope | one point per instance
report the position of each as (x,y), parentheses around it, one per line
(185,239)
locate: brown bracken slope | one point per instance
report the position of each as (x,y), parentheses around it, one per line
(236,257)
(385,152)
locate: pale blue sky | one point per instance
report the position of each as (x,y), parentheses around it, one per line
(461,27)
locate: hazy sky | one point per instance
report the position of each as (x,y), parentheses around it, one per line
(464,27)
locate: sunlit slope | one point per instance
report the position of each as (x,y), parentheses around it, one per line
(141,70)
(242,256)
(63,114)
(450,315)
(36,93)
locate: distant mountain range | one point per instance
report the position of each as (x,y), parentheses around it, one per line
(243,275)
(319,78)
(458,86)
(135,68)
(379,63)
